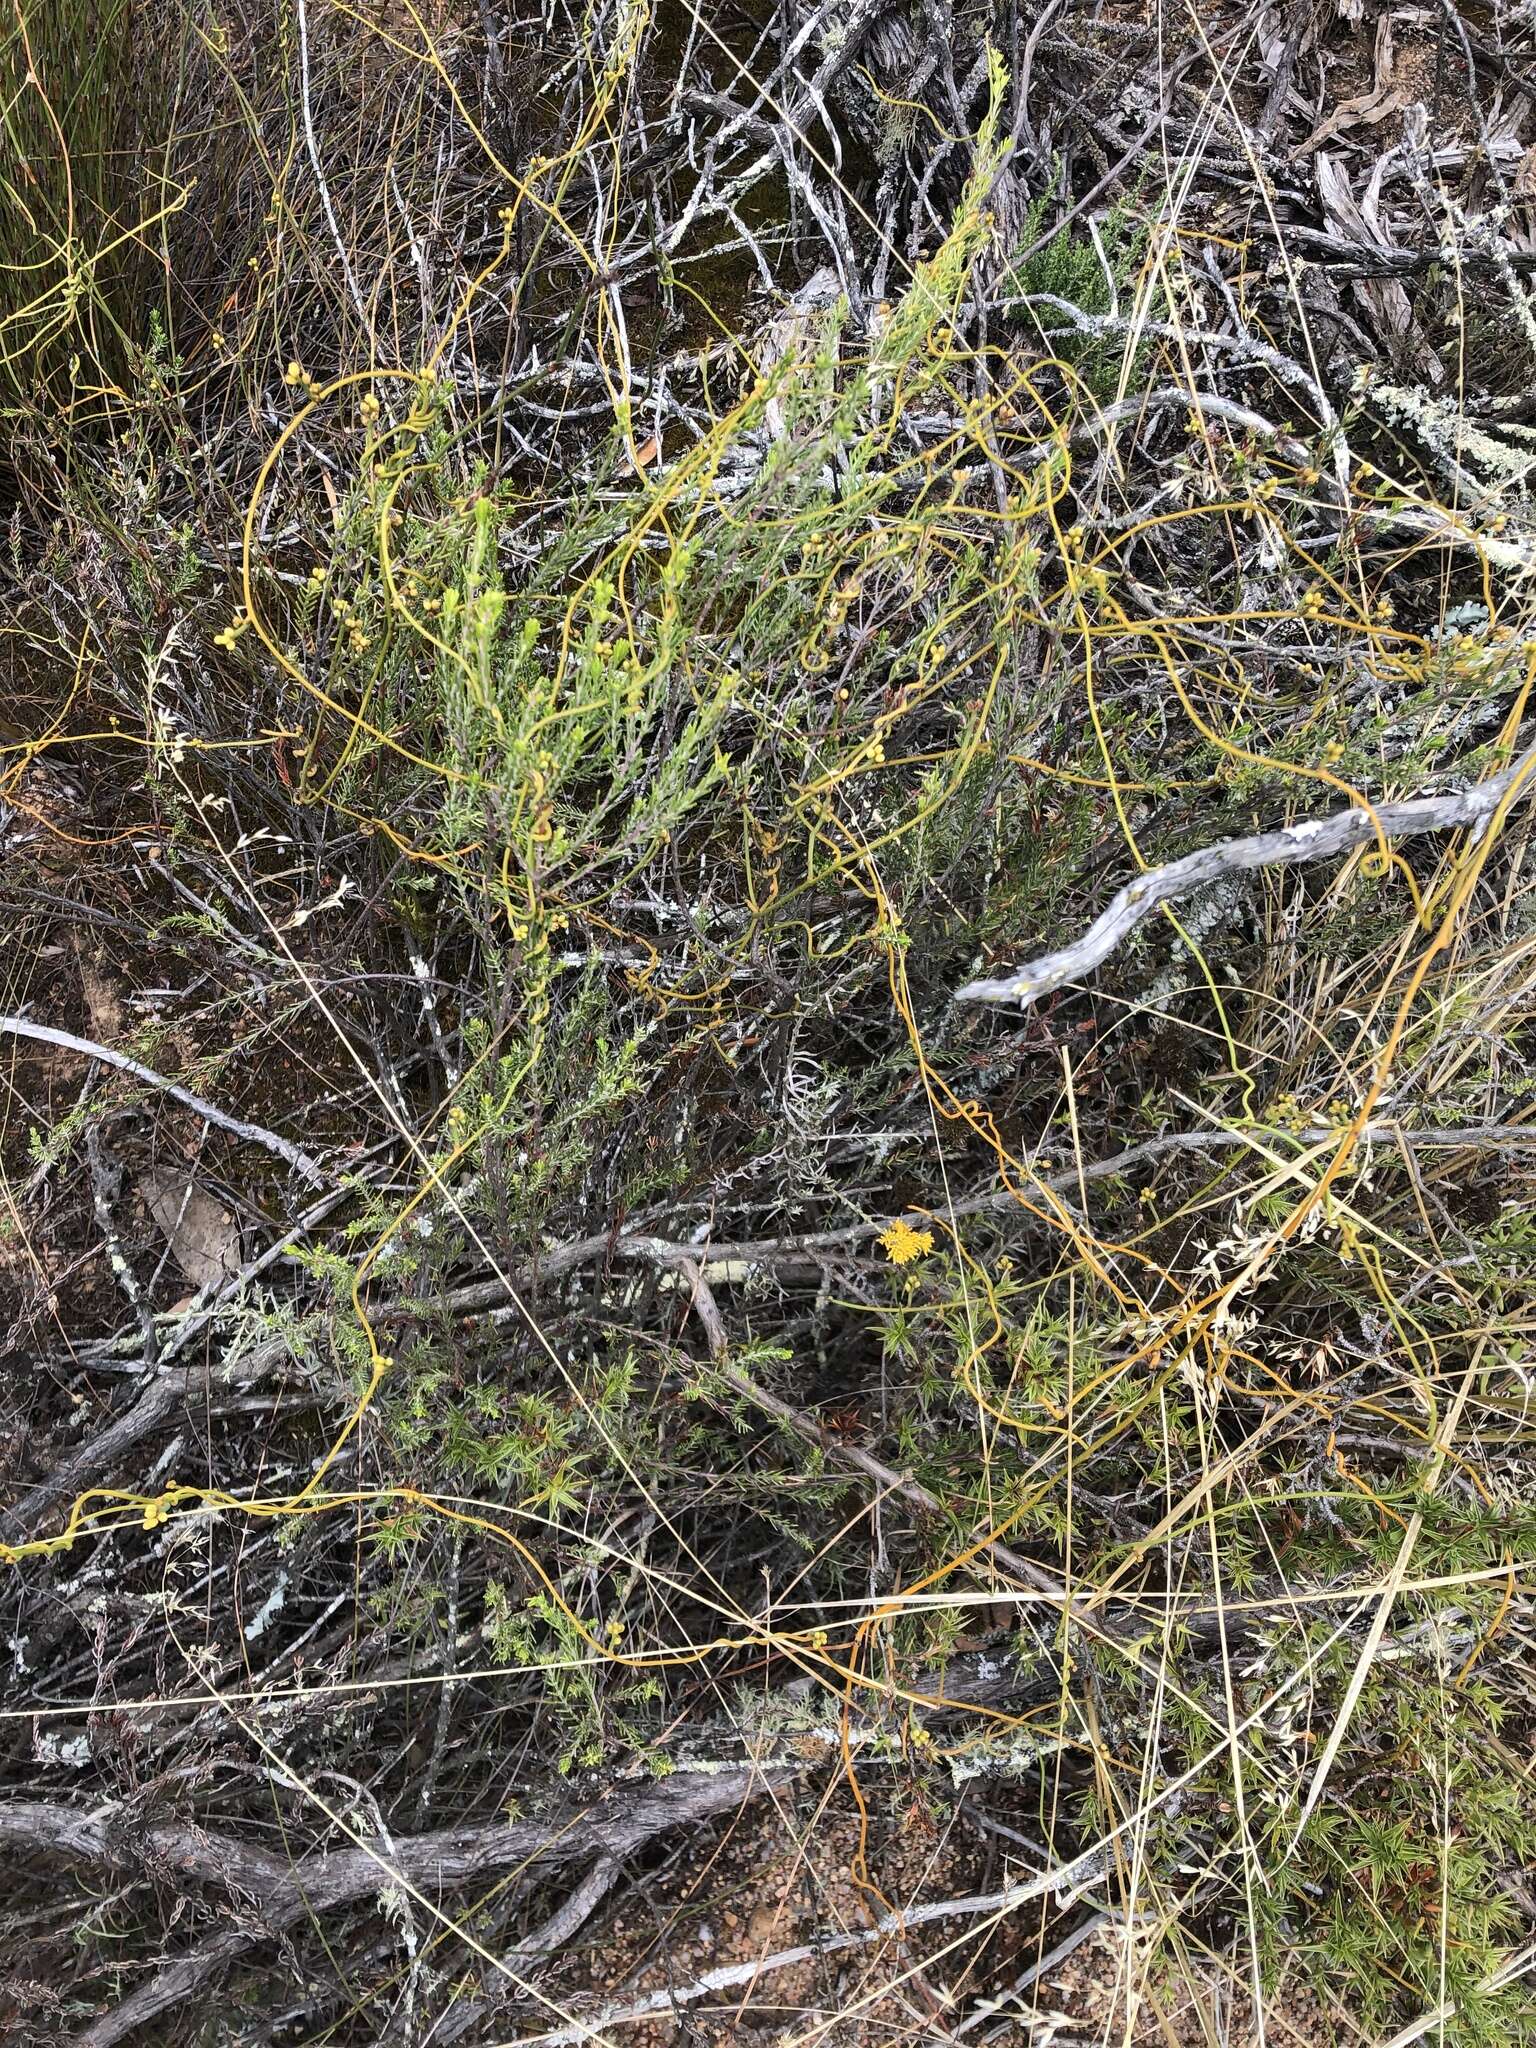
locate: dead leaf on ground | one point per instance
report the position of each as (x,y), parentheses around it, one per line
(204,1237)
(1359,221)
(1367,109)
(103,999)
(641,458)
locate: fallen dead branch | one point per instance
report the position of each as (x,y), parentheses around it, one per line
(893,1926)
(254,1134)
(284,1894)
(1313,839)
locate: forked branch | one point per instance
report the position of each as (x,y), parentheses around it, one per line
(1290,845)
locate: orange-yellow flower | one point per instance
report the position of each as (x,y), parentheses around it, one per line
(902,1244)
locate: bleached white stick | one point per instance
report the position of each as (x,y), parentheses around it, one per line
(1312,839)
(46,1034)
(730,1975)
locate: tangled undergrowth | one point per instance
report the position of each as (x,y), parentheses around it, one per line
(596,1243)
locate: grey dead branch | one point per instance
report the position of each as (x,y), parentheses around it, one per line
(1312,839)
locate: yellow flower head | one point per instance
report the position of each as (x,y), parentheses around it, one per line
(902,1244)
